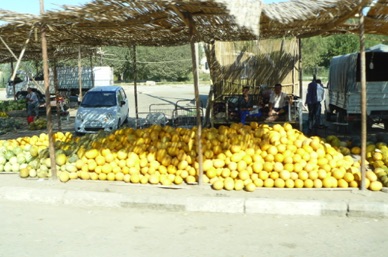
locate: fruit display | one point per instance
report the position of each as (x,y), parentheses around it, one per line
(12,105)
(376,156)
(9,124)
(238,157)
(38,124)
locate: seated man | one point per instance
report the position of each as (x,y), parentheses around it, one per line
(278,102)
(246,107)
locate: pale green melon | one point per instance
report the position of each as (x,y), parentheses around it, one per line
(32,173)
(7,167)
(2,160)
(15,167)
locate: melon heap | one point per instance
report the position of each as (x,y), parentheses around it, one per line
(238,157)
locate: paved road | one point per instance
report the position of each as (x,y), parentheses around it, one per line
(36,230)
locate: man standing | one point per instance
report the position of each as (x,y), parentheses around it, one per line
(320,99)
(313,105)
(32,103)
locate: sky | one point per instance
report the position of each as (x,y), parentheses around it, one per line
(33,6)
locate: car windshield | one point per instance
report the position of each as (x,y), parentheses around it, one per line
(99,99)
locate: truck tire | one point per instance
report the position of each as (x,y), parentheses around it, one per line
(369,122)
(341,115)
(385,122)
(328,116)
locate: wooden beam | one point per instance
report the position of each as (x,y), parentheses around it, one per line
(135,83)
(47,93)
(363,101)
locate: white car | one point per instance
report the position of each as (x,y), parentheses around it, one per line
(102,108)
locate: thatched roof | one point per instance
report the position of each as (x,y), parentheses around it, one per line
(376,21)
(167,23)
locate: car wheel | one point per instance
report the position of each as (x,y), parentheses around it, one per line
(19,97)
(78,134)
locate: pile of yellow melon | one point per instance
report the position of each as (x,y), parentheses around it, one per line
(238,157)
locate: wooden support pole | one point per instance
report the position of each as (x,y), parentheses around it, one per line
(14,70)
(300,68)
(194,53)
(79,75)
(56,86)
(91,69)
(135,84)
(47,93)
(363,100)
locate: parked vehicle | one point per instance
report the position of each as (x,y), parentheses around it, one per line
(102,108)
(21,95)
(68,80)
(344,87)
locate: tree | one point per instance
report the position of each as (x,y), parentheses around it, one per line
(318,51)
(153,63)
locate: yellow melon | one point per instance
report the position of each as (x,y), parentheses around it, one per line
(91,154)
(250,187)
(375,186)
(218,184)
(269,182)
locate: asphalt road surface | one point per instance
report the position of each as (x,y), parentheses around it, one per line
(35,230)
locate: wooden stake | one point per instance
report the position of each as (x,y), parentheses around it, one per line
(14,71)
(47,93)
(363,100)
(135,84)
(56,86)
(79,75)
(300,67)
(91,69)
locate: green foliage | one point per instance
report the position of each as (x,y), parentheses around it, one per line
(318,51)
(153,63)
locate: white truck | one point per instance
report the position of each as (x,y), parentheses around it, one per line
(68,80)
(344,87)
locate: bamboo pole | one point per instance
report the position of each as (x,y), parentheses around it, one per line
(47,93)
(194,53)
(363,100)
(135,84)
(79,75)
(56,86)
(14,71)
(91,69)
(300,67)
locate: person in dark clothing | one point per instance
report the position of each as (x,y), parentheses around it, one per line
(246,106)
(313,105)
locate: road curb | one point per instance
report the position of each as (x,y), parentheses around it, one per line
(212,204)
(368,209)
(296,207)
(215,204)
(49,196)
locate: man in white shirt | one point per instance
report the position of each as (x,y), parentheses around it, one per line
(320,99)
(278,102)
